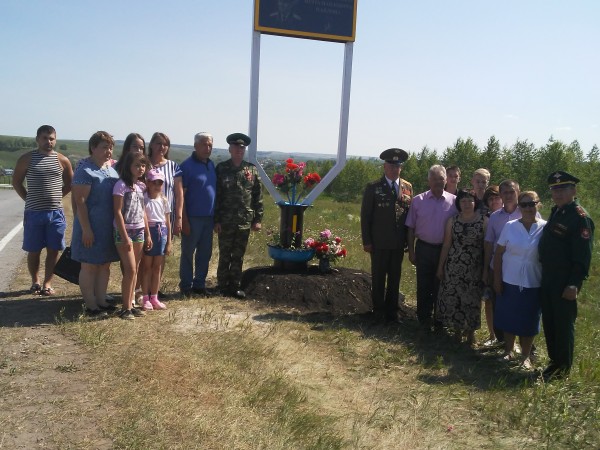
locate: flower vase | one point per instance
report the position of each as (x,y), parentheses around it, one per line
(324,265)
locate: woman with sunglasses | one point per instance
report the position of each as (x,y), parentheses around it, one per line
(517,279)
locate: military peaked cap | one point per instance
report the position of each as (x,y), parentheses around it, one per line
(560,179)
(394,156)
(239,138)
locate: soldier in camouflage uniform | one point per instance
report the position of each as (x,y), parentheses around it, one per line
(239,209)
(383,213)
(565,253)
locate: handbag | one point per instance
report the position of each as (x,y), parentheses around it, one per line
(68,268)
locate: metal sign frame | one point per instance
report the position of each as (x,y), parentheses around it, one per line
(343,125)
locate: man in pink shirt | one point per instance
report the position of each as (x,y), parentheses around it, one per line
(426,220)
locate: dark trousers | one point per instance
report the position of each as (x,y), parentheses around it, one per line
(232,247)
(386,265)
(428,256)
(558,319)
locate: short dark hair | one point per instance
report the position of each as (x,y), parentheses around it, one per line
(491,191)
(455,168)
(463,193)
(507,183)
(45,129)
(98,137)
(155,136)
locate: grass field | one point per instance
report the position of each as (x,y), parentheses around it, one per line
(222,374)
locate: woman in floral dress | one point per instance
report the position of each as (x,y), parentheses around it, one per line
(460,269)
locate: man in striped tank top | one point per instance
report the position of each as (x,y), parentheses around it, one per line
(49,175)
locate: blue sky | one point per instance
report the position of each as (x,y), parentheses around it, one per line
(424,73)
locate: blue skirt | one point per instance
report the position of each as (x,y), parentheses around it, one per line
(518,311)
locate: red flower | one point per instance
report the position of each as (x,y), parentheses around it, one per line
(289,160)
(311,179)
(338,239)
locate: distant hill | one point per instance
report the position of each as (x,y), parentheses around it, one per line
(11,147)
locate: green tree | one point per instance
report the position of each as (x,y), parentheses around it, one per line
(520,159)
(491,159)
(464,154)
(351,181)
(417,167)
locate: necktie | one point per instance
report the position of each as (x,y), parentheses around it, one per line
(395,188)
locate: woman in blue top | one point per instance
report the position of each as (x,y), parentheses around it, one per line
(92,243)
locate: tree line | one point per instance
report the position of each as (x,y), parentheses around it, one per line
(522,161)
(15,143)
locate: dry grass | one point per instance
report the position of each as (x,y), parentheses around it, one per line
(222,374)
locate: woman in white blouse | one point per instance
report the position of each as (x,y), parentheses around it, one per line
(517,279)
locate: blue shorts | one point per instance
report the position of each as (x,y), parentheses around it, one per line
(158,233)
(135,234)
(44,229)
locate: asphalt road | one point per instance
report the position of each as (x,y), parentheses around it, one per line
(11,236)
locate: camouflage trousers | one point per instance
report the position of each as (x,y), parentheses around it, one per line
(232,246)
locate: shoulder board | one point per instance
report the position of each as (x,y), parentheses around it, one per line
(402,180)
(581,211)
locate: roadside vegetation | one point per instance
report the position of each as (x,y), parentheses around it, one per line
(216,373)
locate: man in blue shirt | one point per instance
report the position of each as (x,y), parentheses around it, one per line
(199,187)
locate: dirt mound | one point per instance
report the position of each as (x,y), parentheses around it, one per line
(343,291)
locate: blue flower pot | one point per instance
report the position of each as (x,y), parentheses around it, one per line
(291,255)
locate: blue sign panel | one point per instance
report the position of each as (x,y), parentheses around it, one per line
(326,20)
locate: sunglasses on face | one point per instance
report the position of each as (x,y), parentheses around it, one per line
(527,204)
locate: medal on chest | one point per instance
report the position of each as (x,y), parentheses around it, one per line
(248,174)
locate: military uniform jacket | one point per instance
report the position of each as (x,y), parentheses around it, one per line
(566,243)
(239,194)
(382,215)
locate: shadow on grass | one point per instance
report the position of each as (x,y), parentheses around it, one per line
(443,361)
(35,311)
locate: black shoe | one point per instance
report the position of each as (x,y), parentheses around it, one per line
(110,300)
(126,314)
(109,309)
(200,291)
(239,294)
(186,293)
(220,291)
(162,295)
(138,312)
(554,372)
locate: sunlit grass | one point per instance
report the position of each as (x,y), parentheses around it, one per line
(217,373)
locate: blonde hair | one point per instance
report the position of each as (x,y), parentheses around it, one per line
(484,173)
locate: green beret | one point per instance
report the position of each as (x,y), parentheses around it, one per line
(394,156)
(239,138)
(560,179)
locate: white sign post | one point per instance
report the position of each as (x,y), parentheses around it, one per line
(312,30)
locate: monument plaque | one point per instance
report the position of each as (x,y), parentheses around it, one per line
(326,20)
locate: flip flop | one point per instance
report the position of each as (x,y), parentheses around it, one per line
(47,291)
(35,288)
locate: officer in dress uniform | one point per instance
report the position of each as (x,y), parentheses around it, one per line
(383,213)
(565,251)
(238,209)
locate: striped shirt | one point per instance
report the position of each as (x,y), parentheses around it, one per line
(44,182)
(171,170)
